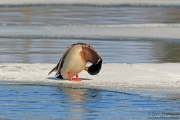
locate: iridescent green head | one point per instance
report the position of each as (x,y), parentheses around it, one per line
(94,68)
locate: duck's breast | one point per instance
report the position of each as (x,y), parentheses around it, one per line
(73,62)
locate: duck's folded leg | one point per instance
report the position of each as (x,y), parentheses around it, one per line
(77,78)
(70,76)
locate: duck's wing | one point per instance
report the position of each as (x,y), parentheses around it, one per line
(58,67)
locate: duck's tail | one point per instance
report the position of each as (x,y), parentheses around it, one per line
(54,69)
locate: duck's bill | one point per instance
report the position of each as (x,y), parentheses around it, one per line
(86,68)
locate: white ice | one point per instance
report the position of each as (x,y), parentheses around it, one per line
(167,31)
(131,78)
(149,79)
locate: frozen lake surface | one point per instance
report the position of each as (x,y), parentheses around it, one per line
(120,33)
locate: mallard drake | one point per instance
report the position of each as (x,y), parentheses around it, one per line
(74,60)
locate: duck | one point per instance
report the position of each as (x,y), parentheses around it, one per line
(75,59)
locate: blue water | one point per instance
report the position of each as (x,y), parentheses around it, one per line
(18,47)
(27,102)
(118,51)
(23,101)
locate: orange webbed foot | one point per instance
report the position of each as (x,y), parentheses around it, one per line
(70,76)
(71,79)
(77,78)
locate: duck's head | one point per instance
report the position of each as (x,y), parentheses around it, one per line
(94,68)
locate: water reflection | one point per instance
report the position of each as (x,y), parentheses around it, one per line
(78,100)
(126,51)
(27,14)
(25,50)
(45,102)
(76,95)
(87,15)
(172,53)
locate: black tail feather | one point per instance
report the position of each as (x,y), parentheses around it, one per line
(59,76)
